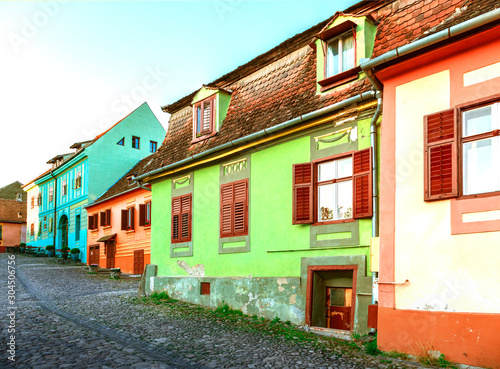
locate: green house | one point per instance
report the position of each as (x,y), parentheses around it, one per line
(263,187)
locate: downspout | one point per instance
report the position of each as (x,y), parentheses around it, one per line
(373,143)
(55,211)
(139,183)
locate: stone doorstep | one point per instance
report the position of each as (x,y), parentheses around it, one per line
(104,271)
(329,332)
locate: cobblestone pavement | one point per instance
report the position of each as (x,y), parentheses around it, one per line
(68,318)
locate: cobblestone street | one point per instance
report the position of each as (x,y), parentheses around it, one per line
(68,318)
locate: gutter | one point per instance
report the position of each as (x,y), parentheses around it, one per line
(262,133)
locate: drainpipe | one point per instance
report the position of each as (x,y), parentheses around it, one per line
(373,143)
(54,229)
(139,183)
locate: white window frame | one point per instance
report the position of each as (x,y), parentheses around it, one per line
(339,40)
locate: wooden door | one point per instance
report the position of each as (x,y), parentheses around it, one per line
(138,261)
(110,254)
(338,308)
(94,254)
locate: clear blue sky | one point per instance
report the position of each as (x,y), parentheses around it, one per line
(70,69)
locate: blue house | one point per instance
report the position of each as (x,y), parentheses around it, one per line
(56,199)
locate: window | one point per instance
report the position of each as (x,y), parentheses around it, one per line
(128,219)
(145,214)
(39,202)
(45,223)
(205,288)
(32,202)
(203,118)
(135,142)
(77,228)
(153,146)
(32,229)
(462,152)
(19,196)
(50,225)
(333,189)
(51,194)
(1,232)
(64,188)
(234,209)
(93,222)
(39,229)
(121,142)
(78,180)
(106,218)
(181,219)
(340,55)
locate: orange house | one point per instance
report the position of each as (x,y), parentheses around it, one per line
(119,225)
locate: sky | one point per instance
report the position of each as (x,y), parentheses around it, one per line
(71,69)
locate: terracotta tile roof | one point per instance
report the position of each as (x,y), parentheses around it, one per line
(405,21)
(9,210)
(123,185)
(283,94)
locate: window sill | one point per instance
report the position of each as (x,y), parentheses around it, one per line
(350,220)
(106,226)
(147,226)
(202,138)
(339,79)
(179,242)
(130,231)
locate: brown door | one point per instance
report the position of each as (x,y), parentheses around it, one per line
(94,254)
(138,261)
(110,254)
(338,308)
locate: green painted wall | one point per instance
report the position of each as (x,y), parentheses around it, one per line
(270,214)
(160,230)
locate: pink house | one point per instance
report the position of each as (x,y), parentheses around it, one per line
(119,225)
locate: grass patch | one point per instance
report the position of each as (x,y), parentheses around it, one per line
(397,355)
(441,361)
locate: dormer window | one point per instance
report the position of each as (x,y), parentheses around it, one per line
(340,54)
(204,117)
(339,48)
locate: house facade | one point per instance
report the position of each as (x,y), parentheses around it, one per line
(440,189)
(12,215)
(57,198)
(119,225)
(263,187)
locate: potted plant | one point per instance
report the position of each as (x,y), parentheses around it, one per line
(115,273)
(75,252)
(64,252)
(50,250)
(93,268)
(22,247)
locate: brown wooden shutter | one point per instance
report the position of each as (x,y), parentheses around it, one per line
(132,218)
(185,218)
(440,155)
(302,207)
(95,223)
(103,218)
(362,184)
(90,221)
(226,210)
(124,219)
(240,211)
(108,217)
(176,213)
(142,215)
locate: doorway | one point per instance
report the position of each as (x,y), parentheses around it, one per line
(138,261)
(94,254)
(331,296)
(110,253)
(63,232)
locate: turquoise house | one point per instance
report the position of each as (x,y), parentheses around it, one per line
(76,179)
